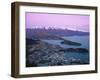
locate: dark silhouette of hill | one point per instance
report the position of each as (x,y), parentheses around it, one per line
(42,33)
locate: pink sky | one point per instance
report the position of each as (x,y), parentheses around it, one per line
(70,21)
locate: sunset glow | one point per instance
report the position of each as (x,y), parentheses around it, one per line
(70,21)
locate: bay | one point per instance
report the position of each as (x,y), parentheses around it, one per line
(84,40)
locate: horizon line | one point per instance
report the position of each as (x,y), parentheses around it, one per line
(56,28)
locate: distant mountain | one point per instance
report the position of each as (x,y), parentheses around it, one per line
(42,33)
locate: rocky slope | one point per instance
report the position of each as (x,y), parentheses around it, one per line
(39,53)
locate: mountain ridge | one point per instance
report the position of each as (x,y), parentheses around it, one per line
(47,33)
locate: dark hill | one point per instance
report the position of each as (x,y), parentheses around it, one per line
(43,33)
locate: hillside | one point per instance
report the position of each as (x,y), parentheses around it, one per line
(42,33)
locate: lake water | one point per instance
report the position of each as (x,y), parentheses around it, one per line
(84,40)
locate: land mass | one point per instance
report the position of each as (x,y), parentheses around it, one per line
(67,42)
(77,50)
(42,33)
(39,53)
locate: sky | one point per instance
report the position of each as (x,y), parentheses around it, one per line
(69,21)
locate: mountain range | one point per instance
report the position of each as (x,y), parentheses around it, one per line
(42,33)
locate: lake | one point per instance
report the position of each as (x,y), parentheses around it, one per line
(84,40)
